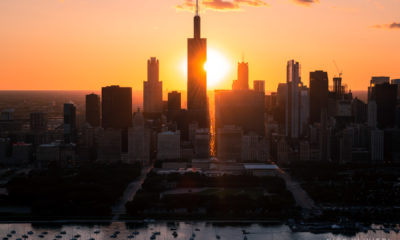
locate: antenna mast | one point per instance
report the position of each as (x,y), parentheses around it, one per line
(197,7)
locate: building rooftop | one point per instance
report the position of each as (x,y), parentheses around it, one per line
(261,167)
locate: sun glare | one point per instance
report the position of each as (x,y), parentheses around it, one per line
(217,67)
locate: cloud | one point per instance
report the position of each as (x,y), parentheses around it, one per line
(221,5)
(306,2)
(393,25)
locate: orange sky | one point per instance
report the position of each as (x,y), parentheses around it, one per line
(87,44)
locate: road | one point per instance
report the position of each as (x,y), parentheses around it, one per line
(301,196)
(129,193)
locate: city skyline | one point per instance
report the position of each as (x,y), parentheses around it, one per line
(74,51)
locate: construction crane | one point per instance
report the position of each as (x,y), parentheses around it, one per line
(337,68)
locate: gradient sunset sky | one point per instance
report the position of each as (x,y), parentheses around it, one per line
(87,44)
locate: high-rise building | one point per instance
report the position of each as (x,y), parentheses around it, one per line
(174,105)
(69,123)
(318,94)
(304,109)
(377,145)
(242,83)
(168,145)
(385,96)
(139,141)
(359,111)
(337,86)
(242,108)
(38,121)
(93,110)
(229,142)
(293,100)
(202,143)
(259,86)
(197,76)
(152,89)
(116,107)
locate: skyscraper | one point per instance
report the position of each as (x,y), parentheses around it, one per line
(93,110)
(259,86)
(174,105)
(152,89)
(242,83)
(197,76)
(318,95)
(69,123)
(293,99)
(116,107)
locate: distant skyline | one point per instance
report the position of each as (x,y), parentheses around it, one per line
(74,45)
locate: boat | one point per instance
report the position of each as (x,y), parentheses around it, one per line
(131,236)
(24,236)
(97,232)
(13,232)
(197,230)
(77,236)
(5,238)
(58,236)
(217,237)
(153,237)
(41,236)
(63,232)
(91,239)
(135,233)
(175,234)
(30,233)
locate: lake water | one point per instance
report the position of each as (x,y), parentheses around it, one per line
(185,230)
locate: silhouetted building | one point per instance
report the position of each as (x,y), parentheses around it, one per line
(337,86)
(229,142)
(152,89)
(242,108)
(385,96)
(372,114)
(93,110)
(202,143)
(293,100)
(304,109)
(116,107)
(168,145)
(242,83)
(109,145)
(174,105)
(377,145)
(259,86)
(197,76)
(359,111)
(38,121)
(69,123)
(318,94)
(139,139)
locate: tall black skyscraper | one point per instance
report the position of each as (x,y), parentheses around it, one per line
(385,96)
(116,107)
(318,95)
(93,110)
(69,123)
(174,105)
(197,76)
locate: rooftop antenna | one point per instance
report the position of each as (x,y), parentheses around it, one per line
(197,7)
(242,56)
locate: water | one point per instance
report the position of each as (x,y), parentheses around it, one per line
(202,231)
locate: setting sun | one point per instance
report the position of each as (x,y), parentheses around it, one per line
(217,67)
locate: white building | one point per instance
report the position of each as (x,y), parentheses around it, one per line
(168,145)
